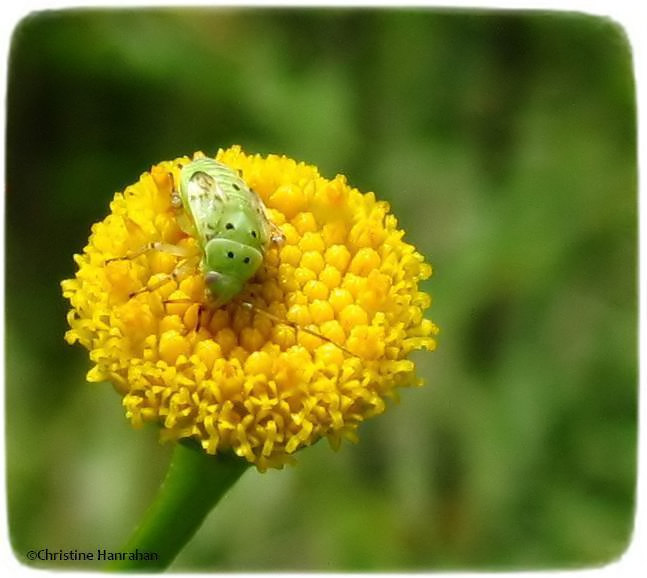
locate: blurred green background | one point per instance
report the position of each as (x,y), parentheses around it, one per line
(505,143)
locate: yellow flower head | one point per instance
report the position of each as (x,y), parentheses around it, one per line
(235,378)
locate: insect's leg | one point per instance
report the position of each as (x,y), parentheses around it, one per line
(176,199)
(294,326)
(182,218)
(277,237)
(175,250)
(184,267)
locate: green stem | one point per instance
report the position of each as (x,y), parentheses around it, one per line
(194,484)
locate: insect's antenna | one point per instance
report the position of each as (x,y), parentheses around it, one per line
(294,326)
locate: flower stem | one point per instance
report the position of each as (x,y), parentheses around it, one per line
(194,484)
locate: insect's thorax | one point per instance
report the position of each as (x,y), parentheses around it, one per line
(231,257)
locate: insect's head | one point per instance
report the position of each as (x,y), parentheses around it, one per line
(228,265)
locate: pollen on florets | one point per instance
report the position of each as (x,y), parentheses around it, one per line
(232,377)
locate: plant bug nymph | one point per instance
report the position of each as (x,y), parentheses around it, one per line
(230,223)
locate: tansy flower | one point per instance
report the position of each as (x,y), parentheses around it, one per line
(234,378)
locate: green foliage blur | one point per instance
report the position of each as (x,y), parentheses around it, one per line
(506,145)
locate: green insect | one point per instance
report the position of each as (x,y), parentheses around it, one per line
(230,223)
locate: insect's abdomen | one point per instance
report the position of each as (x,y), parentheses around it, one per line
(216,170)
(221,204)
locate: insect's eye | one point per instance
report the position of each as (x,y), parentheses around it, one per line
(230,254)
(246,260)
(254,234)
(229,226)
